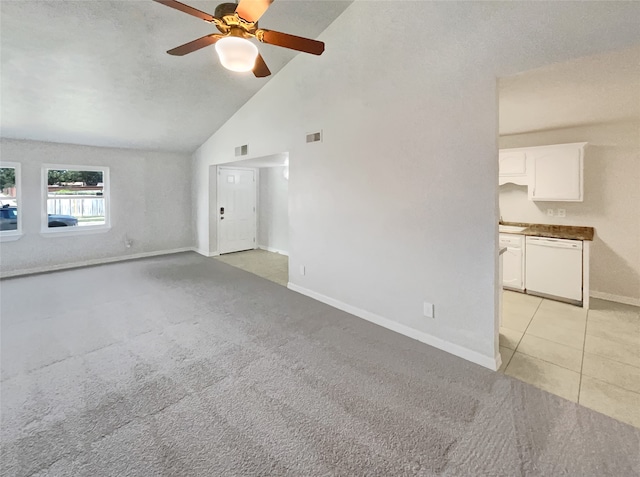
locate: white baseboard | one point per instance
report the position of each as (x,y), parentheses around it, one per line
(627,300)
(88,263)
(460,351)
(498,361)
(206,253)
(275,250)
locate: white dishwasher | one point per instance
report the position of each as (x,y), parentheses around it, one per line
(554,267)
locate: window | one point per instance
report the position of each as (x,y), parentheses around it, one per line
(10,223)
(77,199)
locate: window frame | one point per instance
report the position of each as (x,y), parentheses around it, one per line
(12,235)
(47,231)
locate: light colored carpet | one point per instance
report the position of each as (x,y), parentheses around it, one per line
(185,366)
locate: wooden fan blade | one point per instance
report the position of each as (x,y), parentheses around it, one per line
(195,45)
(187,9)
(252,10)
(260,70)
(292,42)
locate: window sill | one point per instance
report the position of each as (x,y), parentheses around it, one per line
(10,236)
(77,230)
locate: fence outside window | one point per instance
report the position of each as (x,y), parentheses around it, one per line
(76,196)
(89,208)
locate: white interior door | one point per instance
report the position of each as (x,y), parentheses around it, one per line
(236,210)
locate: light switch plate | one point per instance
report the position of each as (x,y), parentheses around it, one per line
(550,212)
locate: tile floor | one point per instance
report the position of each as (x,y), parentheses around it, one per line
(269,265)
(587,356)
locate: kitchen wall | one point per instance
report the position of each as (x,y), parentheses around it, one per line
(611,202)
(150,205)
(398,204)
(273,208)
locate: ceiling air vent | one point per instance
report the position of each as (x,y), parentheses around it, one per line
(242,150)
(314,137)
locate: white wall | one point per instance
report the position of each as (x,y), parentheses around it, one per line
(399,203)
(150,204)
(273,209)
(203,197)
(611,202)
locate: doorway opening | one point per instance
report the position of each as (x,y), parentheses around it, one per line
(252,216)
(568,145)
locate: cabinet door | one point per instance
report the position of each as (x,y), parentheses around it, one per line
(512,269)
(512,167)
(512,163)
(557,174)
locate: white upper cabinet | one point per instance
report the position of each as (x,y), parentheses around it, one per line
(512,167)
(556,173)
(552,173)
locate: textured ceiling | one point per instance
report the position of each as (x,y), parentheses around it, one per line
(592,90)
(97,72)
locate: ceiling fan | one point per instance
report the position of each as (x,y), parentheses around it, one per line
(237,23)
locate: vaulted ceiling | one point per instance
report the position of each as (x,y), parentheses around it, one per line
(97,72)
(595,89)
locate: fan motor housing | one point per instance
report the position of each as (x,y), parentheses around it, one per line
(225,9)
(230,22)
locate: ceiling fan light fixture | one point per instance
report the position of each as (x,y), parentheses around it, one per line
(237,22)
(237,54)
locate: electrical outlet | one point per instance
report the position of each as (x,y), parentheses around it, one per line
(302,270)
(562,212)
(550,212)
(428,310)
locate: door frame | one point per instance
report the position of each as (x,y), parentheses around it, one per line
(255,195)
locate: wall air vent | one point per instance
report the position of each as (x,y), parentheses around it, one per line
(242,150)
(314,137)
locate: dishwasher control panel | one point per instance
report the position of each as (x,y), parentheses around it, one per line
(555,242)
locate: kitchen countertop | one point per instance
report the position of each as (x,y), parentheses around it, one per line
(552,231)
